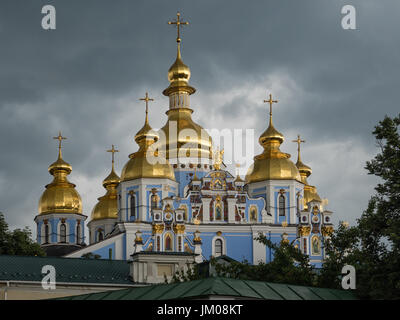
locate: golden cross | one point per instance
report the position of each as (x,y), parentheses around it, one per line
(60,138)
(146,99)
(298,141)
(112,150)
(270,101)
(178,22)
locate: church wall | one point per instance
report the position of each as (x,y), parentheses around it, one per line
(104,251)
(116,243)
(259,203)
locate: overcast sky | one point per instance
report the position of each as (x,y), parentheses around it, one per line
(85,79)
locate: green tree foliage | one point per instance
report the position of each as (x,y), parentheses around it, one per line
(289,265)
(17,242)
(90,255)
(373,245)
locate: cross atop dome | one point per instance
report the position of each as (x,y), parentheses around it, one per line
(113,151)
(60,138)
(270,101)
(178,23)
(299,142)
(147,99)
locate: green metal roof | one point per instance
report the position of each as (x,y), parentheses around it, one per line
(244,289)
(68,270)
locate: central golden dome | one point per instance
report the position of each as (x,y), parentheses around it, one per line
(60,195)
(183,137)
(138,165)
(272,164)
(197,143)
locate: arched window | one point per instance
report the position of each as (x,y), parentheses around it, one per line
(63,233)
(298,203)
(133,205)
(46,233)
(100,235)
(179,243)
(281,205)
(154,201)
(218,247)
(158,243)
(168,243)
(78,234)
(305,246)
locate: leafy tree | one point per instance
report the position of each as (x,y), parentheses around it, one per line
(17,242)
(90,255)
(290,265)
(373,245)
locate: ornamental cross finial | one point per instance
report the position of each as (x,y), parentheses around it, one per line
(178,23)
(60,138)
(147,99)
(270,101)
(218,158)
(112,150)
(299,142)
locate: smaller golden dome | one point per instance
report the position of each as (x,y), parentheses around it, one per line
(310,192)
(107,207)
(303,169)
(270,134)
(272,164)
(179,71)
(60,195)
(112,178)
(138,165)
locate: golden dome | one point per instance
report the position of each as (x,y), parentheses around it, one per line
(60,195)
(178,144)
(270,134)
(107,207)
(272,164)
(138,165)
(310,192)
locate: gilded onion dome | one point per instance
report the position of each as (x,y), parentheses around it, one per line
(310,192)
(60,195)
(138,165)
(272,164)
(106,207)
(183,137)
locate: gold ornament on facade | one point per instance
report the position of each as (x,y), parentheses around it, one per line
(60,195)
(138,238)
(158,228)
(219,233)
(179,228)
(284,224)
(272,164)
(218,158)
(304,231)
(197,236)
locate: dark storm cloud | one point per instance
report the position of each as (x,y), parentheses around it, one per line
(85,77)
